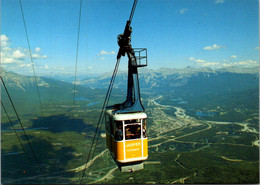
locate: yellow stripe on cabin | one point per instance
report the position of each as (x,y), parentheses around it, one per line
(133,149)
(145,147)
(120,151)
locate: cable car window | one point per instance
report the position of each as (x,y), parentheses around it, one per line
(133,121)
(133,131)
(144,128)
(118,134)
(109,125)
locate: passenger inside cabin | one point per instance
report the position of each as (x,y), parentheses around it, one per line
(133,131)
(144,131)
(144,128)
(119,132)
(128,133)
(138,132)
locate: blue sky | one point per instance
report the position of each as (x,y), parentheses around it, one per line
(176,33)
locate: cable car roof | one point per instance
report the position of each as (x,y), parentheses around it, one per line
(126,116)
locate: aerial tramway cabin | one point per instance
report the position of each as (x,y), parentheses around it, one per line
(126,135)
(126,139)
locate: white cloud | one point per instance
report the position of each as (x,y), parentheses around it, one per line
(203,63)
(191,58)
(38,56)
(184,10)
(9,60)
(247,63)
(257,48)
(12,55)
(200,60)
(25,65)
(4,40)
(226,65)
(196,60)
(37,49)
(230,59)
(213,47)
(233,56)
(6,49)
(103,52)
(18,54)
(209,64)
(219,1)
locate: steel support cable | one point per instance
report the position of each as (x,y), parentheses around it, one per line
(30,52)
(19,120)
(102,119)
(101,116)
(7,115)
(133,11)
(111,88)
(113,79)
(76,63)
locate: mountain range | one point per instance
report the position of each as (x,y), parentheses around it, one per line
(188,81)
(198,86)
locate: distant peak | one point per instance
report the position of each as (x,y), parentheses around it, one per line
(236,69)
